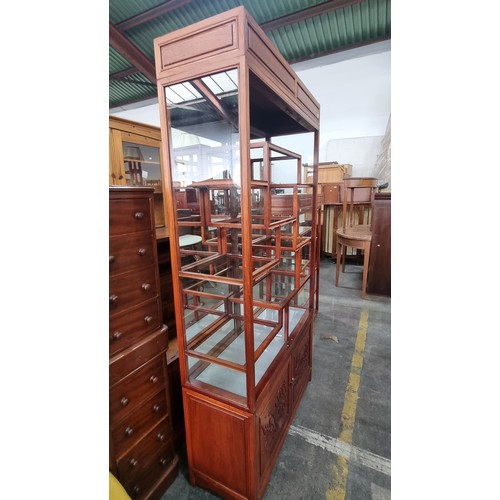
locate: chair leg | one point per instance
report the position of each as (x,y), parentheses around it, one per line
(343,259)
(365,271)
(337,264)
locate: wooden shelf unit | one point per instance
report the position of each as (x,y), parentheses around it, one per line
(246,295)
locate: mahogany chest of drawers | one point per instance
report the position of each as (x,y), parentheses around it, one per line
(142,453)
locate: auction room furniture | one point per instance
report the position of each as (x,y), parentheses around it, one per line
(330,177)
(142,453)
(126,138)
(245,301)
(356,230)
(379,269)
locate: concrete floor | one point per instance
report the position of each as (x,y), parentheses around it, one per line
(339,444)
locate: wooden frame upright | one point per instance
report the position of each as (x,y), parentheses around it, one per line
(264,266)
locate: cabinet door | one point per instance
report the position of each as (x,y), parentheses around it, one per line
(273,417)
(135,160)
(379,269)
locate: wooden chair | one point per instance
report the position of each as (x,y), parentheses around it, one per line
(358,197)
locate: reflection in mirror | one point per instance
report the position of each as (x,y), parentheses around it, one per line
(204,129)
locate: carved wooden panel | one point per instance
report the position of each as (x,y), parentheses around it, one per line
(301,366)
(273,419)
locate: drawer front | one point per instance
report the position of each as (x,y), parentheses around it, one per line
(131,252)
(125,362)
(132,288)
(133,390)
(137,424)
(127,328)
(129,216)
(142,465)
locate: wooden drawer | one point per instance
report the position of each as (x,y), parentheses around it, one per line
(133,390)
(138,423)
(127,328)
(125,362)
(129,289)
(130,215)
(131,252)
(140,467)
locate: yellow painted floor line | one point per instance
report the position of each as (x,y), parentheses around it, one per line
(348,418)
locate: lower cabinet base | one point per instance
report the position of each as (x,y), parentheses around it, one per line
(232,452)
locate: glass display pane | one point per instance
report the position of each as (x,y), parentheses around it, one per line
(295,314)
(204,129)
(269,354)
(216,375)
(142,165)
(302,299)
(227,342)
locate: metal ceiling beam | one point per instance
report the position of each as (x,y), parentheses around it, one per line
(150,14)
(202,88)
(340,49)
(219,107)
(122,74)
(165,7)
(129,51)
(300,15)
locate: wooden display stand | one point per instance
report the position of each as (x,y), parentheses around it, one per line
(246,297)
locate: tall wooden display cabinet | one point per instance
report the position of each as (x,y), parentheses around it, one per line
(245,288)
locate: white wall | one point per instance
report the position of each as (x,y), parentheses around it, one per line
(354,91)
(355,99)
(360,152)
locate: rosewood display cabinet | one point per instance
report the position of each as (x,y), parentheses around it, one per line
(246,290)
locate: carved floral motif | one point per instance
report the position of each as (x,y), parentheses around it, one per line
(273,422)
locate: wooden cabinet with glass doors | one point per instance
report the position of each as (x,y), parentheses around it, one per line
(245,292)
